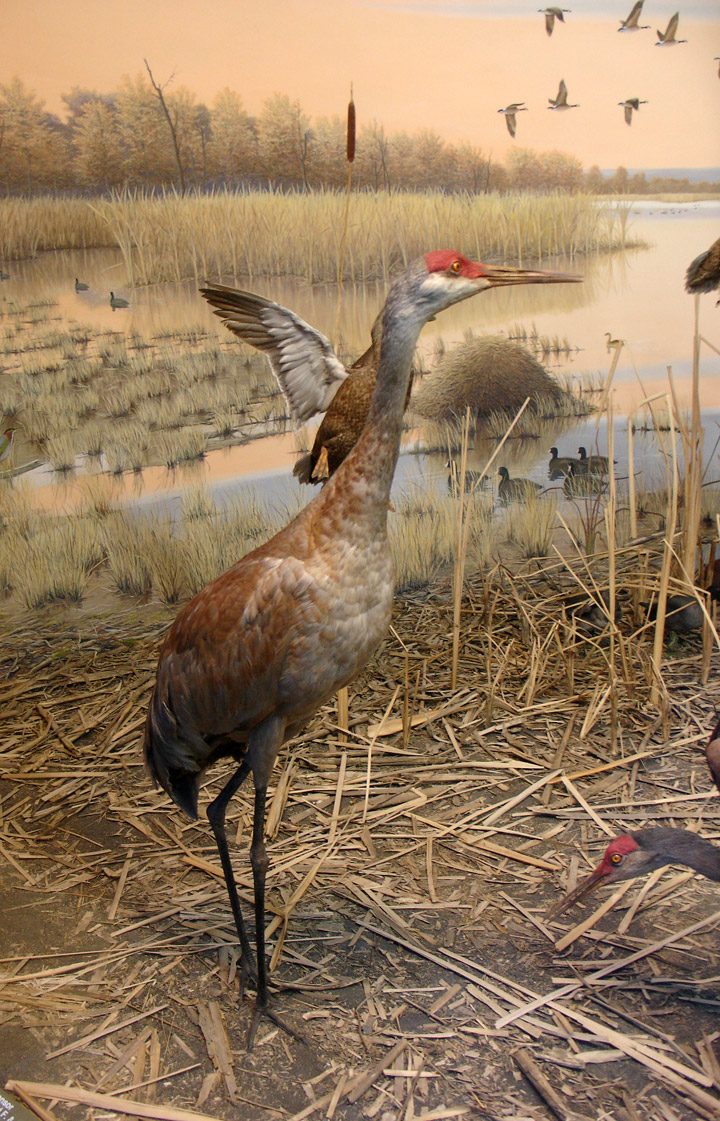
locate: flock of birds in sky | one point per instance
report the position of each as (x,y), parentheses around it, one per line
(666,38)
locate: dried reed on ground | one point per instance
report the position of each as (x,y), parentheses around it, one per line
(416,917)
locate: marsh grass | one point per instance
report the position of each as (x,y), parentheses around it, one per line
(422,534)
(183,446)
(164,237)
(74,545)
(531,525)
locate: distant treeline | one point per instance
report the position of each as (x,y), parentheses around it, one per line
(621,182)
(149,136)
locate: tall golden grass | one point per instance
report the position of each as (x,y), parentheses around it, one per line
(252,233)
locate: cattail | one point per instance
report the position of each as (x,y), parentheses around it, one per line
(351,129)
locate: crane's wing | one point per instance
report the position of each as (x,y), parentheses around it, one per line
(306,367)
(511,122)
(672,26)
(634,14)
(628,114)
(703,274)
(549,22)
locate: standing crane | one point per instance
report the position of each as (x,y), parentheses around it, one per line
(561,101)
(251,658)
(551,14)
(667,39)
(628,105)
(631,23)
(311,376)
(510,112)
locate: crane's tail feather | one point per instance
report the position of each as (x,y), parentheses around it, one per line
(167,758)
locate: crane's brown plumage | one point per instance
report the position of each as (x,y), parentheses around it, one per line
(703,274)
(309,373)
(250,659)
(712,752)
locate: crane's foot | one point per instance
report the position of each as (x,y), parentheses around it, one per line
(274,1019)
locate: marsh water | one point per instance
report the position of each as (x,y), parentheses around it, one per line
(635,295)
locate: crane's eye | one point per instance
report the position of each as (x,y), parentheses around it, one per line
(456,266)
(616,858)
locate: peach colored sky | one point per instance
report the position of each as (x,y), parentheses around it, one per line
(447,65)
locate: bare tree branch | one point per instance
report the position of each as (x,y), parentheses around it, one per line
(173,133)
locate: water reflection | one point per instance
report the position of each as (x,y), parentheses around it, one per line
(637,296)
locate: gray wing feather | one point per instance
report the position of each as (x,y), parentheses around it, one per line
(304,363)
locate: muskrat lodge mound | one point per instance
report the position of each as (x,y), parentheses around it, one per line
(489,374)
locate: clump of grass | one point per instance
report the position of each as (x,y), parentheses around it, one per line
(167,568)
(198,505)
(55,563)
(62,451)
(423,534)
(487,374)
(180,447)
(531,525)
(125,541)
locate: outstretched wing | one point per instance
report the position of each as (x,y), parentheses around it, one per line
(628,113)
(306,367)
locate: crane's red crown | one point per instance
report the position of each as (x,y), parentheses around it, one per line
(448,260)
(615,852)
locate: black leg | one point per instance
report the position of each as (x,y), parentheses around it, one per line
(259,861)
(216,817)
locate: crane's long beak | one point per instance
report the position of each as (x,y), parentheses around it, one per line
(499,276)
(582,889)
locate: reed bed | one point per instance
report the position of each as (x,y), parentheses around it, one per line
(251,233)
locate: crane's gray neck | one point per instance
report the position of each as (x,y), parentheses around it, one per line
(365,477)
(678,846)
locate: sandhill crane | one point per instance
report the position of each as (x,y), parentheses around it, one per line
(636,854)
(117,301)
(631,23)
(311,376)
(551,14)
(668,38)
(515,490)
(561,101)
(510,111)
(80,286)
(703,274)
(629,104)
(255,653)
